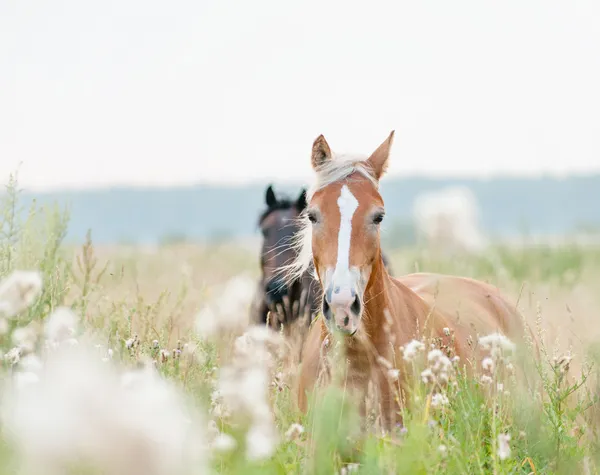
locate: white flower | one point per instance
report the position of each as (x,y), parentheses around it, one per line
(446,331)
(261,442)
(488,364)
(224,443)
(25,338)
(295,431)
(61,324)
(13,355)
(412,348)
(18,291)
(229,310)
(438,400)
(427,376)
(497,344)
(393,374)
(503,446)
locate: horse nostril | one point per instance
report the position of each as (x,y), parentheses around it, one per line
(355,306)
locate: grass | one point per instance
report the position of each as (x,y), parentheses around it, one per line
(142,304)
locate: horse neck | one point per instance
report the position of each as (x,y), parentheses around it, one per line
(391,305)
(377,297)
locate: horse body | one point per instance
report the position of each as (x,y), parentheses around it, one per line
(374,312)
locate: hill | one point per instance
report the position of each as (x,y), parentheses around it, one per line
(509,206)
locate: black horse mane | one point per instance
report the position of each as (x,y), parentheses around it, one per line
(280,204)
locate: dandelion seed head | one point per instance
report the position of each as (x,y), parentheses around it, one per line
(61,325)
(439,399)
(412,348)
(223,443)
(18,291)
(261,441)
(488,364)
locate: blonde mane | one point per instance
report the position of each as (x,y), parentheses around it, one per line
(336,169)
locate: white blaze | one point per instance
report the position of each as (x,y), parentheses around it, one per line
(347,204)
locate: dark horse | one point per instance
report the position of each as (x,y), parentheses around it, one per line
(286,301)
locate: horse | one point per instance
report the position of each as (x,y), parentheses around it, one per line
(277,301)
(284,301)
(362,305)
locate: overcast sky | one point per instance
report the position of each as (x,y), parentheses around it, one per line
(153,92)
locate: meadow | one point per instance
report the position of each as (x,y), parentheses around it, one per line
(132,359)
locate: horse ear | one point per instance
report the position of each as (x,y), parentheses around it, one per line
(301,201)
(379,158)
(320,152)
(270,197)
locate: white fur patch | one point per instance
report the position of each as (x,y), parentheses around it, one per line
(348,205)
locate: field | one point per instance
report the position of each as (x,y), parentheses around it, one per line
(80,395)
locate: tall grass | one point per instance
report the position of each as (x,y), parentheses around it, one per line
(130,320)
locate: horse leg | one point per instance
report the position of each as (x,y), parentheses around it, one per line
(311,365)
(387,401)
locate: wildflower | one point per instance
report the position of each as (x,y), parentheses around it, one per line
(562,363)
(349,468)
(497,344)
(25,338)
(84,413)
(227,311)
(503,446)
(278,382)
(393,374)
(164,355)
(295,431)
(13,355)
(443,450)
(18,291)
(261,442)
(61,325)
(488,364)
(485,379)
(446,331)
(223,443)
(439,368)
(411,349)
(427,376)
(155,344)
(438,400)
(132,342)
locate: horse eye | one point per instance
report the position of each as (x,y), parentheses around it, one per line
(312,217)
(378,218)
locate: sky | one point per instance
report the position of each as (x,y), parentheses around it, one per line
(154,93)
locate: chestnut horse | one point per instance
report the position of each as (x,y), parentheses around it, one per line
(372,311)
